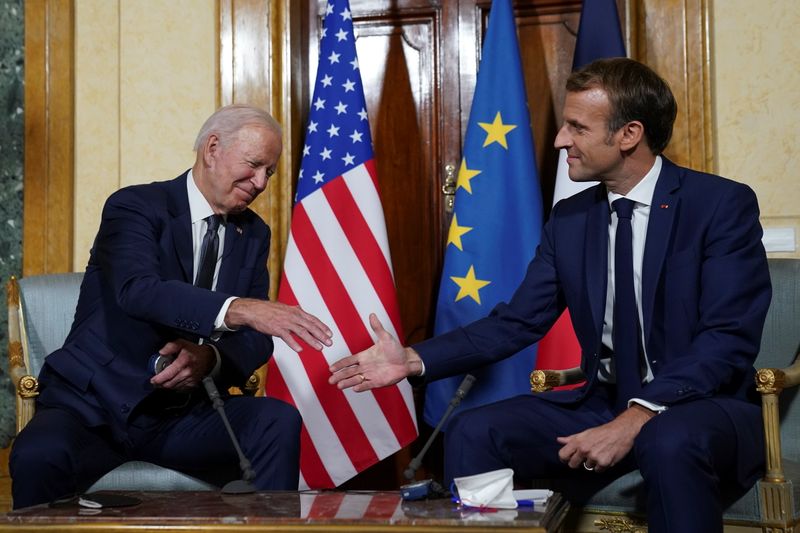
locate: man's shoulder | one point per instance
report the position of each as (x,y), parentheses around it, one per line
(154,194)
(697,181)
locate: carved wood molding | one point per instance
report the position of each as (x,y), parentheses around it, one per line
(48,205)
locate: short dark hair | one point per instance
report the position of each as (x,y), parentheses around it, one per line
(635,92)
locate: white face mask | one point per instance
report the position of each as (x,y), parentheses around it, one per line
(489,489)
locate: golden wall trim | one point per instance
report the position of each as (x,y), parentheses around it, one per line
(49,137)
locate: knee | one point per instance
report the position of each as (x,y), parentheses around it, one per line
(668,446)
(469,429)
(35,457)
(279,422)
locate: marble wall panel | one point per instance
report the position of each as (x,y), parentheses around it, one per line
(11,161)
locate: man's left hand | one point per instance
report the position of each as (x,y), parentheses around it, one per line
(602,447)
(192,363)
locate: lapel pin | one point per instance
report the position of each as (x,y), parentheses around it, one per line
(664,206)
(238,230)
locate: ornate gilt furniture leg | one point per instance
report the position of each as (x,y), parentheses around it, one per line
(775,493)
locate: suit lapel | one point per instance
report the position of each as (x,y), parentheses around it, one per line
(596,265)
(181,225)
(659,227)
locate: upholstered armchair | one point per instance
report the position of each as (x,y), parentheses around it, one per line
(40,313)
(773,504)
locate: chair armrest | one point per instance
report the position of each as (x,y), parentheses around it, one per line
(26,385)
(544,380)
(770,382)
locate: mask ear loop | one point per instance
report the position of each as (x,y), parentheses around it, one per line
(454,492)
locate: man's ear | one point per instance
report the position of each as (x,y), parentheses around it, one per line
(211,149)
(632,135)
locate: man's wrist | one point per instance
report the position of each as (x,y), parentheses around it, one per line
(237,314)
(414,362)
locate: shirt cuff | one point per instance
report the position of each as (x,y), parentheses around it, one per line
(656,408)
(219,322)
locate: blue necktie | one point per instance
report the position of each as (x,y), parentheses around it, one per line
(626,331)
(208,255)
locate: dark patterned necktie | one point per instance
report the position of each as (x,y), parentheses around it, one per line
(208,255)
(626,331)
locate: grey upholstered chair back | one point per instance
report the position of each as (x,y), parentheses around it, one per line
(48,305)
(780,343)
(48,308)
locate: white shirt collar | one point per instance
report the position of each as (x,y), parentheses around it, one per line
(199,208)
(642,192)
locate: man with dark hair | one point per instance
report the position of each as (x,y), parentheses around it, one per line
(667,284)
(177,270)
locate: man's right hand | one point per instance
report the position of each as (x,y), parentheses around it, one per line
(383,364)
(279,320)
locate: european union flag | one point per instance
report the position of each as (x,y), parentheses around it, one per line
(497,215)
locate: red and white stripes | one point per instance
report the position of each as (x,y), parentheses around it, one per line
(338,268)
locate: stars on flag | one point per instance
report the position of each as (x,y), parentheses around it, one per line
(496,132)
(337,137)
(455,233)
(469,285)
(464,175)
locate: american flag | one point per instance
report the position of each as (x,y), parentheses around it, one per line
(338,268)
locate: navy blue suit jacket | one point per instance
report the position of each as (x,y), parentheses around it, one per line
(705,291)
(137,295)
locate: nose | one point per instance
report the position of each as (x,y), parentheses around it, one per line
(563,138)
(260,179)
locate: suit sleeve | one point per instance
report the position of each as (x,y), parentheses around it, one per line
(727,320)
(510,327)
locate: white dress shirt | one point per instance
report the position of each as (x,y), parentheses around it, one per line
(642,194)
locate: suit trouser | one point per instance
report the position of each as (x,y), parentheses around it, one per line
(686,454)
(57,455)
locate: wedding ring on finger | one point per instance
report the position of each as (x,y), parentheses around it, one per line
(363,378)
(587,467)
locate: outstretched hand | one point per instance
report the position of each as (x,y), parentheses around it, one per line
(279,320)
(384,363)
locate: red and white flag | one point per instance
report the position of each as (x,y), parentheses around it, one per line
(338,268)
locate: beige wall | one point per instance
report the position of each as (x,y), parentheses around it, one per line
(146,72)
(145,79)
(757,103)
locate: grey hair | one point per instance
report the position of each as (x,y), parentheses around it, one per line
(228,120)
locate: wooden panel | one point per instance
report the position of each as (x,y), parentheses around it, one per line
(49,154)
(673,38)
(260,52)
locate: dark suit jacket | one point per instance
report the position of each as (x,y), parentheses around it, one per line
(705,291)
(137,295)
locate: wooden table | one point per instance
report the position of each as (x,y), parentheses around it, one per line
(311,511)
